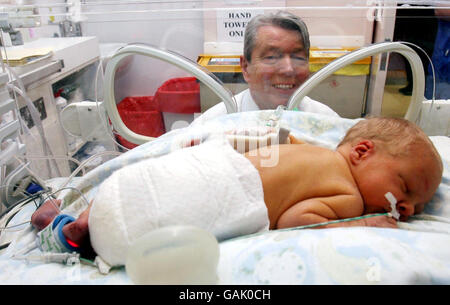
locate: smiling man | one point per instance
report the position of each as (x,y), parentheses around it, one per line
(275,64)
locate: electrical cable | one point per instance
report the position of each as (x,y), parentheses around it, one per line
(21,201)
(4,246)
(11,211)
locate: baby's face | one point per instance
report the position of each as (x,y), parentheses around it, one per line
(412,181)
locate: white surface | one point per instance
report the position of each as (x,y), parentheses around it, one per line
(175,255)
(435,118)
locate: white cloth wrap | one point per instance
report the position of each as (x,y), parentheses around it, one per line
(210,186)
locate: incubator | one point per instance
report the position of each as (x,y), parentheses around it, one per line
(84,82)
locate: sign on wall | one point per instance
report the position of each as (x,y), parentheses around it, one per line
(231,24)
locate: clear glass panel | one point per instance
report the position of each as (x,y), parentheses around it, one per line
(59,49)
(165,98)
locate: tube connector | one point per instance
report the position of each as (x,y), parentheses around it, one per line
(69,259)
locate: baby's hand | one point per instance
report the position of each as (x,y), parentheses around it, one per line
(294,140)
(381,222)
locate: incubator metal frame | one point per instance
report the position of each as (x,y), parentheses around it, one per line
(418,74)
(412,114)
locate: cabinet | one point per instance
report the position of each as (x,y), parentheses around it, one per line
(69,69)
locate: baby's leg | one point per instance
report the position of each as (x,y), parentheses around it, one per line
(78,231)
(45,213)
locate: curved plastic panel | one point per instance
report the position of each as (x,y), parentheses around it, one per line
(416,66)
(178,61)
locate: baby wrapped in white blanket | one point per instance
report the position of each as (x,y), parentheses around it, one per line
(209,185)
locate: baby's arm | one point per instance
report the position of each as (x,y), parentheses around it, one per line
(319,210)
(294,140)
(245,140)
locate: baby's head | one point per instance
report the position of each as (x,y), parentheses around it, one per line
(392,155)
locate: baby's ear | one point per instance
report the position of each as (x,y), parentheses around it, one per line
(361,151)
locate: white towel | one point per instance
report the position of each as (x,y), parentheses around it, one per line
(210,186)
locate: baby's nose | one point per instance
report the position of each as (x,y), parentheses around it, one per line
(405,209)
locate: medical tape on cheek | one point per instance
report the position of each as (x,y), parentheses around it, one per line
(393,201)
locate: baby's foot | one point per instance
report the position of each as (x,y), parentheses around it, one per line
(77,232)
(45,213)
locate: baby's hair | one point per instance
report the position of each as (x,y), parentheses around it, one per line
(396,136)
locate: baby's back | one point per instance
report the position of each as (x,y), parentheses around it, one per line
(299,172)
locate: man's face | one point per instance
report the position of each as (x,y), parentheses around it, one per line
(278,66)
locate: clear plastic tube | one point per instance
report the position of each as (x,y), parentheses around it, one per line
(75,172)
(37,121)
(34,157)
(13,228)
(7,216)
(51,196)
(432,69)
(41,181)
(315,225)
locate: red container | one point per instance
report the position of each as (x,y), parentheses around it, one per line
(142,116)
(179,95)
